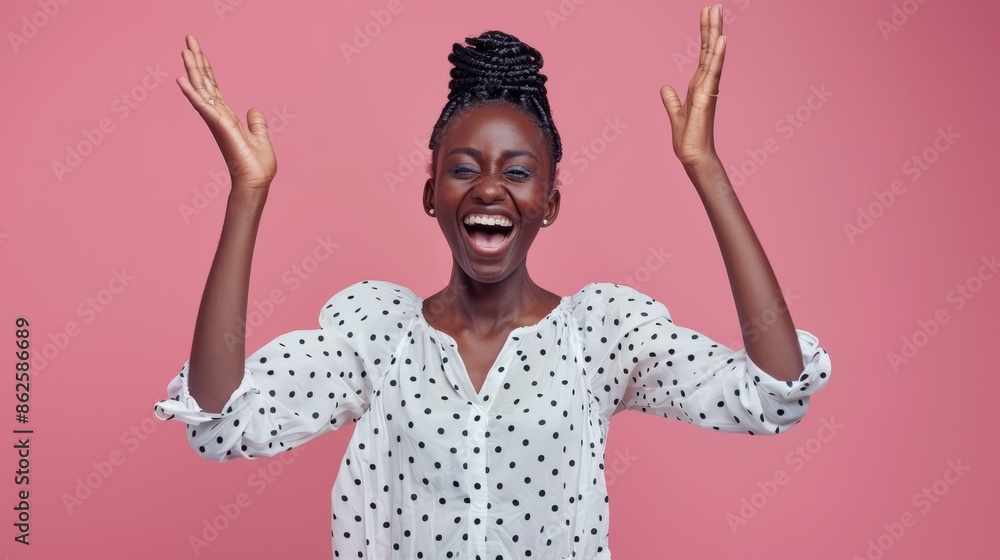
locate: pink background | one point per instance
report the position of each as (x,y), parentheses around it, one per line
(348,121)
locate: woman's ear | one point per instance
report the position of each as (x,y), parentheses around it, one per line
(552,207)
(429,197)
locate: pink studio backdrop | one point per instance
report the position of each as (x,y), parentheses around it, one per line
(857,134)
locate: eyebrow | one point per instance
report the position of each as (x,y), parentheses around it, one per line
(506,154)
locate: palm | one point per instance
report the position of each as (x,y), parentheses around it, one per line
(692,121)
(246,148)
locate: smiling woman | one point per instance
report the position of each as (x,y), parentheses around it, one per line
(482,411)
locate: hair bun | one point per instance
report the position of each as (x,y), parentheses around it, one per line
(495,64)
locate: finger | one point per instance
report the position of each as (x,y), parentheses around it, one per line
(204,69)
(708,47)
(206,75)
(257,124)
(703,53)
(711,24)
(194,74)
(710,83)
(672,103)
(715,23)
(211,74)
(705,44)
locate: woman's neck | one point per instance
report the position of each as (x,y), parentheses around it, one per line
(484,308)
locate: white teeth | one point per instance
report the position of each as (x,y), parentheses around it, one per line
(488,219)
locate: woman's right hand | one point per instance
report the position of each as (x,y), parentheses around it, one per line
(246,148)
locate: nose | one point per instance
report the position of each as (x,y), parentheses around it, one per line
(490,189)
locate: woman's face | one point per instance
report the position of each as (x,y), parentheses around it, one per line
(491,189)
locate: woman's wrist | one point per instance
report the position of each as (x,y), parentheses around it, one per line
(251,196)
(709,177)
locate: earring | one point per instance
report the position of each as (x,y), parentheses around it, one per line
(545,222)
(431,211)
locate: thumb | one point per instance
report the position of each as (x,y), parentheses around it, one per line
(671,102)
(257,124)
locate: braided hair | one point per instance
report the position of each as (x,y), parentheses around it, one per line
(497,68)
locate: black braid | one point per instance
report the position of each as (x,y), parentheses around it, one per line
(498,68)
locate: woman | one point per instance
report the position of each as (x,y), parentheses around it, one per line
(482,410)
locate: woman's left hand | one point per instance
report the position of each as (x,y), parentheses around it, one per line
(691,122)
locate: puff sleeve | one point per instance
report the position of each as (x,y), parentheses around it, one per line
(653,366)
(296,387)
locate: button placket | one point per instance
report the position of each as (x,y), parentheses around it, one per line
(478,480)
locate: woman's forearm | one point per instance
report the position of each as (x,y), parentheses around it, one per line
(218,350)
(768,332)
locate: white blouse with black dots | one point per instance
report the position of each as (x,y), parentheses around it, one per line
(436,470)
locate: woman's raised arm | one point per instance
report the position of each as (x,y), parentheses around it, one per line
(755,289)
(217,352)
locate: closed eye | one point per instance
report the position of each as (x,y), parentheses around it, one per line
(518,171)
(463,170)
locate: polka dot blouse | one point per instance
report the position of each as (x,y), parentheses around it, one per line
(435,469)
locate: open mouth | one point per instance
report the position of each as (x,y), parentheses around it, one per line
(488,234)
